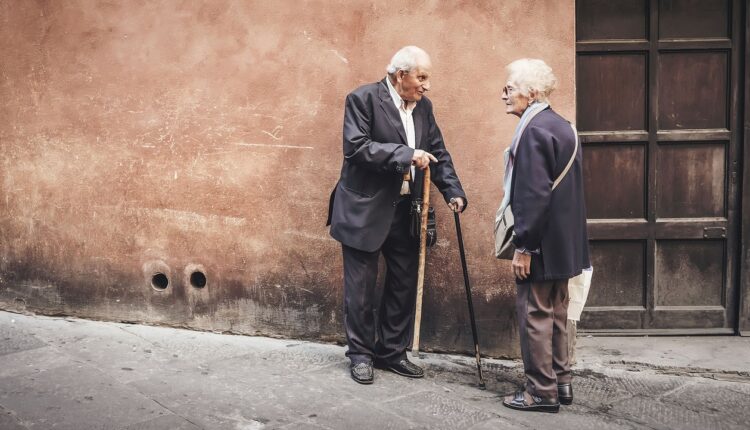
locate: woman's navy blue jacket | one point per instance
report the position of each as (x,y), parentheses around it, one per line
(552,221)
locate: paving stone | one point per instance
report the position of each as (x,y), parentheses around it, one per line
(496,424)
(669,416)
(8,421)
(437,411)
(304,425)
(643,384)
(722,400)
(358,414)
(237,393)
(171,422)
(386,386)
(32,361)
(596,392)
(305,358)
(14,339)
(201,346)
(74,397)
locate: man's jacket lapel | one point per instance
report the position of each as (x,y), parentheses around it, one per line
(418,124)
(386,103)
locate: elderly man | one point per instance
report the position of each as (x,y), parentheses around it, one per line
(390,136)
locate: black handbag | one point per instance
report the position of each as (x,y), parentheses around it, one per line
(416,221)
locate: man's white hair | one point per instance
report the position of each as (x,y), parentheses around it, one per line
(407,59)
(530,74)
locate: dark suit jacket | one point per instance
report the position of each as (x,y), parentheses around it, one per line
(376,155)
(553,221)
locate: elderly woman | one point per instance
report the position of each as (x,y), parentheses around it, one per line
(544,186)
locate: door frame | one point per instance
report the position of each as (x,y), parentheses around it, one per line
(743,320)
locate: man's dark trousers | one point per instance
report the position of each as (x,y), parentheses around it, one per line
(395,322)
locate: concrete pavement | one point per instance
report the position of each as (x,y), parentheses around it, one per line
(64,373)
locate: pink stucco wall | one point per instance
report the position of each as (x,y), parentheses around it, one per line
(148,136)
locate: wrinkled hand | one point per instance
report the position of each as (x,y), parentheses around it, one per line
(457,204)
(422,159)
(521,265)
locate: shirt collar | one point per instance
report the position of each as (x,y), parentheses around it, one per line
(397,100)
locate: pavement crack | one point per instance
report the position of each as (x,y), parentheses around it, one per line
(674,390)
(701,372)
(138,336)
(606,410)
(173,412)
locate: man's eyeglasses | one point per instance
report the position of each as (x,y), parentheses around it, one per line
(508,90)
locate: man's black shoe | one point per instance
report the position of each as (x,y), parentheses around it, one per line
(361,372)
(518,401)
(565,394)
(403,368)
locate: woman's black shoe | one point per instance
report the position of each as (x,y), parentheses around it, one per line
(565,394)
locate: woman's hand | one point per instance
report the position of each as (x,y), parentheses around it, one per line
(521,265)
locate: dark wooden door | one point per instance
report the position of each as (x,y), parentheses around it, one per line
(657,104)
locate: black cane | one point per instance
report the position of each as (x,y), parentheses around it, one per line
(468,300)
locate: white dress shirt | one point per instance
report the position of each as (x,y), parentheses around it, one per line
(405,110)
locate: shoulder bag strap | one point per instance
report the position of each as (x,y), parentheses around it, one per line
(570,163)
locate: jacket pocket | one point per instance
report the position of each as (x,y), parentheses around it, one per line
(359,193)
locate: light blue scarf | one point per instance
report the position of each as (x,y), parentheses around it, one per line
(510,152)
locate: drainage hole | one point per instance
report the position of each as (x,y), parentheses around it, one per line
(198,279)
(159,281)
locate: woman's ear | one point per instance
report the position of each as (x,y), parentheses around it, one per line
(532,96)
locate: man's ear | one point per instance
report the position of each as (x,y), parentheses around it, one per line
(400,75)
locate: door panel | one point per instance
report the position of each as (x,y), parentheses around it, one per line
(693,90)
(614,87)
(621,161)
(657,87)
(689,273)
(620,268)
(681,19)
(691,180)
(604,19)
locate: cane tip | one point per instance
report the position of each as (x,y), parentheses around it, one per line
(482,386)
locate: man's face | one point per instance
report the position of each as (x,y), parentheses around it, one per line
(411,86)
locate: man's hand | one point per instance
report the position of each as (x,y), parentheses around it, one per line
(521,265)
(457,204)
(422,159)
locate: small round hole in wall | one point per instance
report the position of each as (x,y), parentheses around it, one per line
(198,279)
(159,281)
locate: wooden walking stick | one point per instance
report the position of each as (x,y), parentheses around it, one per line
(422,254)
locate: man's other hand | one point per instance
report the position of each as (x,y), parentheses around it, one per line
(422,159)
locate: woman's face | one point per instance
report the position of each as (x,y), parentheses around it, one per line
(515,102)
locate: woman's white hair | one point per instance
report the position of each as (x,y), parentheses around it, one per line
(407,59)
(532,75)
